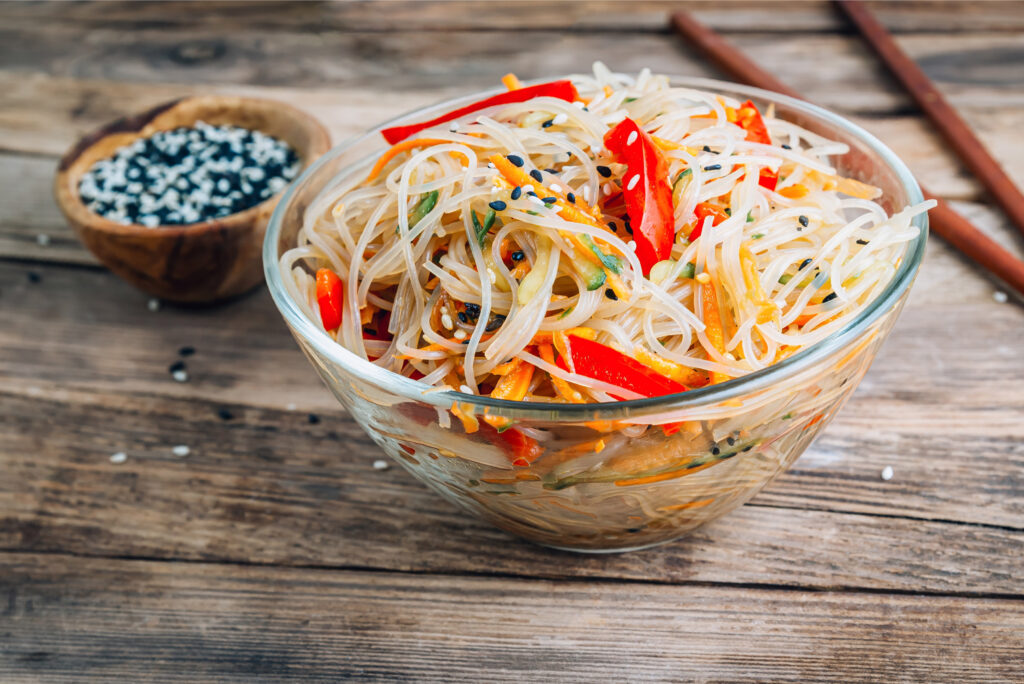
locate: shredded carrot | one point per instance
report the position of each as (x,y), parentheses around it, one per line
(520,271)
(713,323)
(663,476)
(564,389)
(513,386)
(505,368)
(469,422)
(795,191)
(511,81)
(396,150)
(670,145)
(671,369)
(766,308)
(608,92)
(692,504)
(543,336)
(594,446)
(517,176)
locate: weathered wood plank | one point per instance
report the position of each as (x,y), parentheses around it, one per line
(501,15)
(308,493)
(973,70)
(85,619)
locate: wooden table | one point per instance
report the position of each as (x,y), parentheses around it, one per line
(275,551)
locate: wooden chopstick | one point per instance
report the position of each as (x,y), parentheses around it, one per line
(955,229)
(958,134)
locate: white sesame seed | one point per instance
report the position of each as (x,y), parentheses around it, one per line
(537,200)
(703,278)
(632,138)
(560,119)
(1000,296)
(380,464)
(180,376)
(153,305)
(454,127)
(119,457)
(181,450)
(460,334)
(633,181)
(579,104)
(527,189)
(491,165)
(555,187)
(586,193)
(729,357)
(608,188)
(43,239)
(887,473)
(631,245)
(446,321)
(465,389)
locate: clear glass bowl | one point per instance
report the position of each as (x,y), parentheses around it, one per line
(648,485)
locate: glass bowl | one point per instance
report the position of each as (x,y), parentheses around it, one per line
(668,464)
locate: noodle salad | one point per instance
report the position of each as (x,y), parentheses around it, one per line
(596,239)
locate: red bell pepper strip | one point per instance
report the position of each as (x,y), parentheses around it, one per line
(329,294)
(521,449)
(647,192)
(749,119)
(563,90)
(703,210)
(600,362)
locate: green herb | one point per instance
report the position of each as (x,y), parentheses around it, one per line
(785,278)
(612,263)
(423,207)
(482,230)
(629,99)
(728,211)
(787,416)
(682,174)
(531,212)
(757,236)
(565,313)
(689,270)
(750,216)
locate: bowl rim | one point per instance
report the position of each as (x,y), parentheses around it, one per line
(70,201)
(711,394)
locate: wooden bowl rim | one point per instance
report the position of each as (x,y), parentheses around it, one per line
(71,202)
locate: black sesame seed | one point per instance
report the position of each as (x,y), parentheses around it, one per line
(33,277)
(748,447)
(516,192)
(497,205)
(803,264)
(713,167)
(551,171)
(535,175)
(496,322)
(313,418)
(224,414)
(549,200)
(176,366)
(730,440)
(604,171)
(518,256)
(571,197)
(463,318)
(829,297)
(472,310)
(610,294)
(515,159)
(548,124)
(786,147)
(707,149)
(862,242)
(615,228)
(804,221)
(715,451)
(186,351)
(532,193)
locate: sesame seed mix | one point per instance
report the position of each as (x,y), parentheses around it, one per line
(188,175)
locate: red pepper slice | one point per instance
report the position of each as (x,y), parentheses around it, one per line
(703,210)
(329,294)
(598,361)
(649,198)
(563,90)
(749,119)
(522,449)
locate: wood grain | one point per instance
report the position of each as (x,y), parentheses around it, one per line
(308,493)
(70,618)
(973,70)
(782,16)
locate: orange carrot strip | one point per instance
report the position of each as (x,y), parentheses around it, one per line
(512,386)
(713,321)
(795,191)
(396,150)
(692,504)
(670,369)
(511,81)
(564,389)
(664,476)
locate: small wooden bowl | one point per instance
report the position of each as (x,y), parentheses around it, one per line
(199,262)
